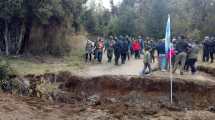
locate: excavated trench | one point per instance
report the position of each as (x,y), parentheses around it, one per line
(119,95)
(67,88)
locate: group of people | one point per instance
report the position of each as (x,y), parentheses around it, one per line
(183,52)
(208,49)
(122,47)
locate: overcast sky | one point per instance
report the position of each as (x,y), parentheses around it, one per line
(107,2)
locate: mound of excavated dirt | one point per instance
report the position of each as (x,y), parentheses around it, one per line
(120,97)
(209,70)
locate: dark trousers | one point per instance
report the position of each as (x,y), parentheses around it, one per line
(123,57)
(137,54)
(88,57)
(117,56)
(191,64)
(153,56)
(128,55)
(206,54)
(211,56)
(99,56)
(109,55)
(147,65)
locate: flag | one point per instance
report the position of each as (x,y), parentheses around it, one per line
(168,35)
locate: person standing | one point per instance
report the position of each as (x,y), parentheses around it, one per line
(128,39)
(161,55)
(141,41)
(117,50)
(211,49)
(147,61)
(124,51)
(181,54)
(170,56)
(192,57)
(109,47)
(100,47)
(89,51)
(152,50)
(206,45)
(136,48)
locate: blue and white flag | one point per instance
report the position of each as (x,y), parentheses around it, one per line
(168,36)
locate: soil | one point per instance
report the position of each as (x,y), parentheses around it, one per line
(108,92)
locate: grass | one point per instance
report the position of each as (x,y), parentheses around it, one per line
(40,65)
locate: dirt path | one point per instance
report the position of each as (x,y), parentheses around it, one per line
(134,67)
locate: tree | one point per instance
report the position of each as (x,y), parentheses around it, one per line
(20,17)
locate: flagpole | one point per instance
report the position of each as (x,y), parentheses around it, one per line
(171,76)
(168,49)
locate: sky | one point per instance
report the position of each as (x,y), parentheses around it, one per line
(106,3)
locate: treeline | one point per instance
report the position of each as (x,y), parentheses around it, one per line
(193,18)
(38,26)
(42,26)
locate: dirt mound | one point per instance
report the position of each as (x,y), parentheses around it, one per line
(120,97)
(206,69)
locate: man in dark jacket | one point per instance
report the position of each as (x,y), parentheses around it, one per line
(124,51)
(211,46)
(117,50)
(160,47)
(206,53)
(181,54)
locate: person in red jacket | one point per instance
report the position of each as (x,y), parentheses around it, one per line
(136,47)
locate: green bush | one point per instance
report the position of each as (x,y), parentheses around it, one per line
(5,72)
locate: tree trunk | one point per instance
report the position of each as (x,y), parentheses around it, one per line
(27,34)
(6,38)
(21,37)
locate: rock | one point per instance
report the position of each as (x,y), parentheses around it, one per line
(94,100)
(211,109)
(111,100)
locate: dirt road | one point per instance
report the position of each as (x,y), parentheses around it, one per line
(134,68)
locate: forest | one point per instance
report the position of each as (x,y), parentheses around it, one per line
(42,26)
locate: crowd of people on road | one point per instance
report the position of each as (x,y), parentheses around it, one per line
(183,53)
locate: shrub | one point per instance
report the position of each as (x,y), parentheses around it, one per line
(5,72)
